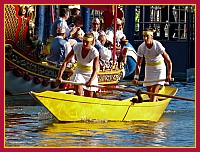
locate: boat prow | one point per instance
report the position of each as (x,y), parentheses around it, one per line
(69,107)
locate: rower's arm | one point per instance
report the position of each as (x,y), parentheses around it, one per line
(95,70)
(137,70)
(169,65)
(63,66)
(138,65)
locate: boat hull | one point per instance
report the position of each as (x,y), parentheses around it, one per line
(68,107)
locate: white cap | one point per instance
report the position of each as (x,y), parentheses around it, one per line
(61,29)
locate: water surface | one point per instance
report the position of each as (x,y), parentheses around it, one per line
(34,126)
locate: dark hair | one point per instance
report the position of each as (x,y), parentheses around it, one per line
(63,11)
(77,18)
(74,10)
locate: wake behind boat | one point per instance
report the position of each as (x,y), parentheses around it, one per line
(69,107)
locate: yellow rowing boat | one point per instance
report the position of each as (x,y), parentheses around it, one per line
(69,107)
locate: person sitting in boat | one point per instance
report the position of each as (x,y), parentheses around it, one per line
(119,33)
(78,36)
(104,53)
(62,21)
(87,66)
(155,69)
(95,27)
(60,48)
(76,26)
(126,50)
(74,12)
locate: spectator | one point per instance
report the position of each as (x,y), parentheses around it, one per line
(74,12)
(95,27)
(119,33)
(104,53)
(61,21)
(60,47)
(76,26)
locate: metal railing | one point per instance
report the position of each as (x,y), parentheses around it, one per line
(170,22)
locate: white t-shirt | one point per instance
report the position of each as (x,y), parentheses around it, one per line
(110,35)
(81,76)
(154,54)
(88,60)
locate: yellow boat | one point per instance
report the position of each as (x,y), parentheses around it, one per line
(69,107)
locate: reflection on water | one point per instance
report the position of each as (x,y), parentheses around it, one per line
(105,133)
(34,126)
(26,128)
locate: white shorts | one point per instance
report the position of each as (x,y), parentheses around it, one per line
(80,76)
(153,73)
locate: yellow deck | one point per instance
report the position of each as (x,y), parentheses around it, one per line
(68,107)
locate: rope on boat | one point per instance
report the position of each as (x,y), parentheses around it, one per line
(127,110)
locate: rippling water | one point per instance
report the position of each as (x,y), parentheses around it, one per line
(28,126)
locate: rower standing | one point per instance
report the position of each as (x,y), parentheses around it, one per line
(87,66)
(155,58)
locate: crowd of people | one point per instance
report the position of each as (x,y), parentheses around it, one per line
(67,34)
(93,48)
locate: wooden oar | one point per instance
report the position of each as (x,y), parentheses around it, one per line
(128,90)
(141,82)
(69,82)
(26,93)
(150,93)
